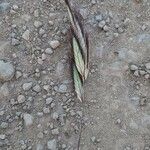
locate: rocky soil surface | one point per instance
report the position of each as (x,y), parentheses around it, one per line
(38,106)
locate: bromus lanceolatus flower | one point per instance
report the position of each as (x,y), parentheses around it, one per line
(80,49)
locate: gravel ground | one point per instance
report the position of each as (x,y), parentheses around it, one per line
(38,106)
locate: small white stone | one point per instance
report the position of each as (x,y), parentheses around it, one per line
(46,110)
(40,135)
(27,86)
(36,13)
(21,99)
(18,74)
(37,88)
(54,44)
(6,71)
(147,65)
(28,119)
(133,67)
(2,136)
(49,100)
(37,24)
(62,88)
(46,87)
(49,51)
(26,35)
(43,56)
(102,24)
(52,144)
(55,131)
(15,7)
(39,147)
(40,61)
(41,31)
(55,115)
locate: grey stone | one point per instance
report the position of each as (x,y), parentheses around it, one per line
(46,110)
(18,74)
(39,147)
(2,136)
(133,67)
(21,99)
(15,42)
(41,31)
(4,91)
(26,35)
(52,144)
(36,13)
(147,65)
(55,131)
(49,100)
(28,119)
(4,125)
(136,73)
(55,115)
(38,24)
(99,17)
(37,88)
(44,56)
(102,24)
(4,6)
(40,135)
(54,44)
(7,71)
(27,86)
(15,7)
(49,51)
(62,88)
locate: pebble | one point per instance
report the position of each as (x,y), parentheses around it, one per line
(55,116)
(46,110)
(7,71)
(36,13)
(102,23)
(136,73)
(18,74)
(21,99)
(144,27)
(54,44)
(28,119)
(4,125)
(15,7)
(55,131)
(41,31)
(133,67)
(39,147)
(49,51)
(2,136)
(40,135)
(4,6)
(37,88)
(52,144)
(4,90)
(38,24)
(147,65)
(44,56)
(49,100)
(147,76)
(26,35)
(27,86)
(15,42)
(99,17)
(62,88)
(93,2)
(142,72)
(93,139)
